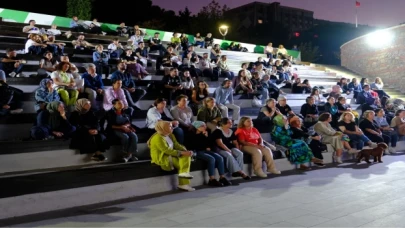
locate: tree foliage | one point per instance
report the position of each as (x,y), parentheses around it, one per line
(309,53)
(80,8)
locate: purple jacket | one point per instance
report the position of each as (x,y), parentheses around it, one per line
(110,95)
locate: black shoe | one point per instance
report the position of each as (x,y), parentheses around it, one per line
(98,157)
(215,183)
(236,174)
(320,164)
(225,182)
(247,177)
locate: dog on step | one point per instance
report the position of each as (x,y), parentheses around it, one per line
(377,153)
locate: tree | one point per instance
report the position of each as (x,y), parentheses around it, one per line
(209,18)
(309,53)
(80,8)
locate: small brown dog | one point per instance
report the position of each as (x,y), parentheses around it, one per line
(376,153)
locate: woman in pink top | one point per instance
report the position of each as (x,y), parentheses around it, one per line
(115,92)
(252,143)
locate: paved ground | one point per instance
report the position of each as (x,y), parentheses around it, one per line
(344,196)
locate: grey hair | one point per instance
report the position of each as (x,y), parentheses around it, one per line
(281,98)
(90,65)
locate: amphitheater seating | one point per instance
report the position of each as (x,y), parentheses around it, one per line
(31,168)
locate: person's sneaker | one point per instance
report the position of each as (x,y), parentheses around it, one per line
(392,150)
(225,182)
(215,183)
(127,158)
(274,171)
(16,111)
(387,152)
(185,176)
(261,174)
(21,75)
(12,74)
(373,145)
(353,151)
(186,188)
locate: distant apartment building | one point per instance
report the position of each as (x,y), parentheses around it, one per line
(252,14)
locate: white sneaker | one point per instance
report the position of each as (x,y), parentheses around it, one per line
(16,111)
(12,74)
(185,176)
(392,150)
(272,147)
(353,151)
(337,159)
(387,151)
(373,145)
(187,188)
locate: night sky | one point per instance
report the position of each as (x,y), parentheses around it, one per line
(372,12)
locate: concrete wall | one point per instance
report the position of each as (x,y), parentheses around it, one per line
(375,56)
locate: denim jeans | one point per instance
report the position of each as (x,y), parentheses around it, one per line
(234,160)
(214,160)
(179,135)
(393,136)
(129,141)
(359,139)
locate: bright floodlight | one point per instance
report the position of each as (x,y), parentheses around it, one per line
(380,38)
(223,27)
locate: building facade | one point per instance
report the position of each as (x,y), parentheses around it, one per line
(255,13)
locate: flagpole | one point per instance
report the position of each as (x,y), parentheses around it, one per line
(356,16)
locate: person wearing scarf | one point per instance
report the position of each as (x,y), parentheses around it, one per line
(298,151)
(200,142)
(119,125)
(167,153)
(87,137)
(45,94)
(227,146)
(53,122)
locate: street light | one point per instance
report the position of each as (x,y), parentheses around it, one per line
(223,29)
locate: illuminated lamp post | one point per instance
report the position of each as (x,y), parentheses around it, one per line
(223,29)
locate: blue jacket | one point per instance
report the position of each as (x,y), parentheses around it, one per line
(222,95)
(93,83)
(127,81)
(103,56)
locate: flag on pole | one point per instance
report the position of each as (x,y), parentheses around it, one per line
(357,4)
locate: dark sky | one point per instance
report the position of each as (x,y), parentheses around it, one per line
(372,12)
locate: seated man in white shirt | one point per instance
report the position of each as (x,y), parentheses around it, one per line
(224,98)
(116,49)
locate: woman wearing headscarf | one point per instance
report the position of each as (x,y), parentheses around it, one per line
(298,151)
(87,137)
(119,125)
(200,142)
(52,122)
(45,94)
(167,153)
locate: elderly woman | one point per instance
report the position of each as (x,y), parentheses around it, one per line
(119,124)
(200,142)
(372,131)
(87,137)
(52,123)
(252,143)
(348,126)
(45,94)
(228,147)
(210,114)
(298,151)
(158,113)
(65,84)
(299,132)
(333,137)
(167,153)
(335,92)
(283,107)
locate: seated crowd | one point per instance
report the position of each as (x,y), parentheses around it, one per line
(195,125)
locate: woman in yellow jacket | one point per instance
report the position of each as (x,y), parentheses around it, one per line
(167,153)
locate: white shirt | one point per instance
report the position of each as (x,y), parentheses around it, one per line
(114,47)
(54,32)
(28,45)
(205,64)
(188,84)
(136,39)
(55,75)
(169,142)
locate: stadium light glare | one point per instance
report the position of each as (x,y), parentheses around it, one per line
(381,38)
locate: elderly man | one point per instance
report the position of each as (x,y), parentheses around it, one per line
(224,98)
(93,84)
